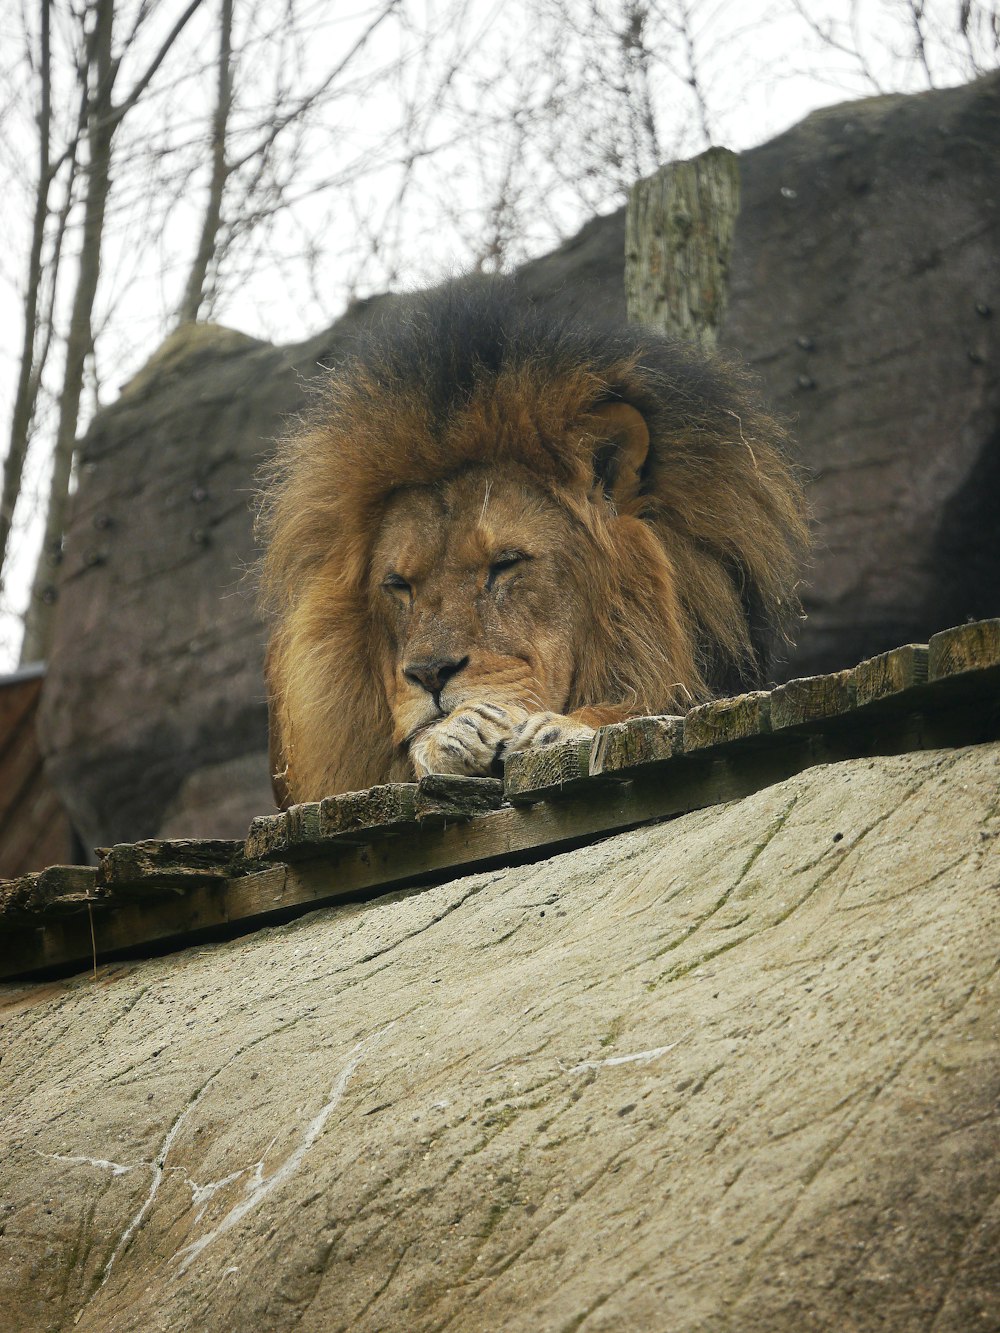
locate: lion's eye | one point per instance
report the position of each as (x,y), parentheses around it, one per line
(395,583)
(503,562)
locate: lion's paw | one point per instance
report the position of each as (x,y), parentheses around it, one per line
(468,741)
(547,729)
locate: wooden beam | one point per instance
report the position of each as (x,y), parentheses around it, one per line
(58,890)
(635,772)
(502,837)
(445,799)
(622,747)
(723,721)
(811,700)
(267,838)
(362,815)
(891,673)
(546,771)
(967,648)
(159,863)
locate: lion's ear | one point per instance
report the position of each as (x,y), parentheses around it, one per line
(621,453)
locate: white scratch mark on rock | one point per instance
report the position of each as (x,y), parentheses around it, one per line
(200,1194)
(260,1186)
(639,1057)
(158,1172)
(116,1168)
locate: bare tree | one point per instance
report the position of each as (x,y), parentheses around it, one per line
(37,302)
(102,116)
(220,169)
(88,195)
(249,165)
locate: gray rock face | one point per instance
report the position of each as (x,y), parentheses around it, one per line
(156,719)
(736,1071)
(865,291)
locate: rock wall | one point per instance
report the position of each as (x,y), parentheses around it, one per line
(866,289)
(864,284)
(736,1071)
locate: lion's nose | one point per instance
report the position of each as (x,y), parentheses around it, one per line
(434,675)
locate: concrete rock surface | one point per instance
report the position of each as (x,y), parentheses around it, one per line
(738,1071)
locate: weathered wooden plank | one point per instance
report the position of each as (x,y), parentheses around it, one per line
(49,892)
(344,870)
(542,827)
(972,647)
(811,699)
(539,829)
(136,921)
(304,823)
(546,770)
(442,797)
(455,824)
(744,717)
(623,746)
(158,864)
(256,895)
(890,673)
(191,914)
(360,816)
(267,838)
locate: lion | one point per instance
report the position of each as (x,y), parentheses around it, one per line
(498,528)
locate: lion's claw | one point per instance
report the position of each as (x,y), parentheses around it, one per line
(467,741)
(548,729)
(473,738)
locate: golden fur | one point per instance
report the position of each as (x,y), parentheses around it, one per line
(497,521)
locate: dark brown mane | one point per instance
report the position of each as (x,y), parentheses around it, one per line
(471,374)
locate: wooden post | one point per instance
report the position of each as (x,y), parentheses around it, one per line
(678,237)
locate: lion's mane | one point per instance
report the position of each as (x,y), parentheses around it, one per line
(471,373)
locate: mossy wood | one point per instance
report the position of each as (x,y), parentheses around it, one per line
(632,773)
(724,721)
(359,817)
(679,228)
(304,823)
(167,864)
(547,770)
(268,837)
(442,798)
(57,890)
(812,699)
(624,746)
(345,871)
(890,673)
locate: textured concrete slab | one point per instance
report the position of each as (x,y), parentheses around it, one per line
(737,1071)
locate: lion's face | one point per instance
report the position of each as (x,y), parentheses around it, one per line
(498,528)
(474,599)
